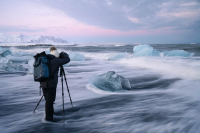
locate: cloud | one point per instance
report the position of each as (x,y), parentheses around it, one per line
(130,15)
(134,20)
(114,19)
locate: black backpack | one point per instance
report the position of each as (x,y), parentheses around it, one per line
(41,67)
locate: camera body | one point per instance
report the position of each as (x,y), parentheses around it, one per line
(61,56)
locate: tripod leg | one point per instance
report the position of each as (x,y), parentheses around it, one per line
(63,71)
(68,91)
(38,103)
(63,99)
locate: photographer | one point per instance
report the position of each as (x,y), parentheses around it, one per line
(49,86)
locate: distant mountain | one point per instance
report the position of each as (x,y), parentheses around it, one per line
(20,38)
(48,39)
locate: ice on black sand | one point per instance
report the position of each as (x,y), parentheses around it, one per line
(110,81)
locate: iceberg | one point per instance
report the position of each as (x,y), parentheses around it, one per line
(110,81)
(5,53)
(1,50)
(5,61)
(47,51)
(177,53)
(9,58)
(145,50)
(12,67)
(21,53)
(18,58)
(117,57)
(76,57)
(30,63)
(6,65)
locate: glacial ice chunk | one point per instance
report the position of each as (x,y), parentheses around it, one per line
(6,65)
(18,58)
(5,61)
(117,57)
(21,53)
(76,57)
(1,50)
(5,53)
(145,50)
(30,63)
(12,67)
(177,53)
(110,81)
(47,51)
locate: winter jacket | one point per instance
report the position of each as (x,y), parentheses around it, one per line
(54,64)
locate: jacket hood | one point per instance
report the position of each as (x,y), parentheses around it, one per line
(50,56)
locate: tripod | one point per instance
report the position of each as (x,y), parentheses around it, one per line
(62,72)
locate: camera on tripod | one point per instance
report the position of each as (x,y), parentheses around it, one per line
(61,56)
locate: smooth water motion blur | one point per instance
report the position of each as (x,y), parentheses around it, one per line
(164,94)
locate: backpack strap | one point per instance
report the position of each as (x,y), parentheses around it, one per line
(50,76)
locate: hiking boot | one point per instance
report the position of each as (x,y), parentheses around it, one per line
(49,119)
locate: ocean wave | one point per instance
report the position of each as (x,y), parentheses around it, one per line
(169,67)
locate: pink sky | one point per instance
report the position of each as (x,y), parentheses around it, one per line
(46,20)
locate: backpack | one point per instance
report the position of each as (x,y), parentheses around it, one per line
(41,67)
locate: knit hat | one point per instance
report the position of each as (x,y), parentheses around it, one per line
(54,51)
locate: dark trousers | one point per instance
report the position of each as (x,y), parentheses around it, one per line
(50,96)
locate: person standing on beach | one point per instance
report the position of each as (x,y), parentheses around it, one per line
(49,86)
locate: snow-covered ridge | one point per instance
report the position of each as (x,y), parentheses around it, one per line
(20,38)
